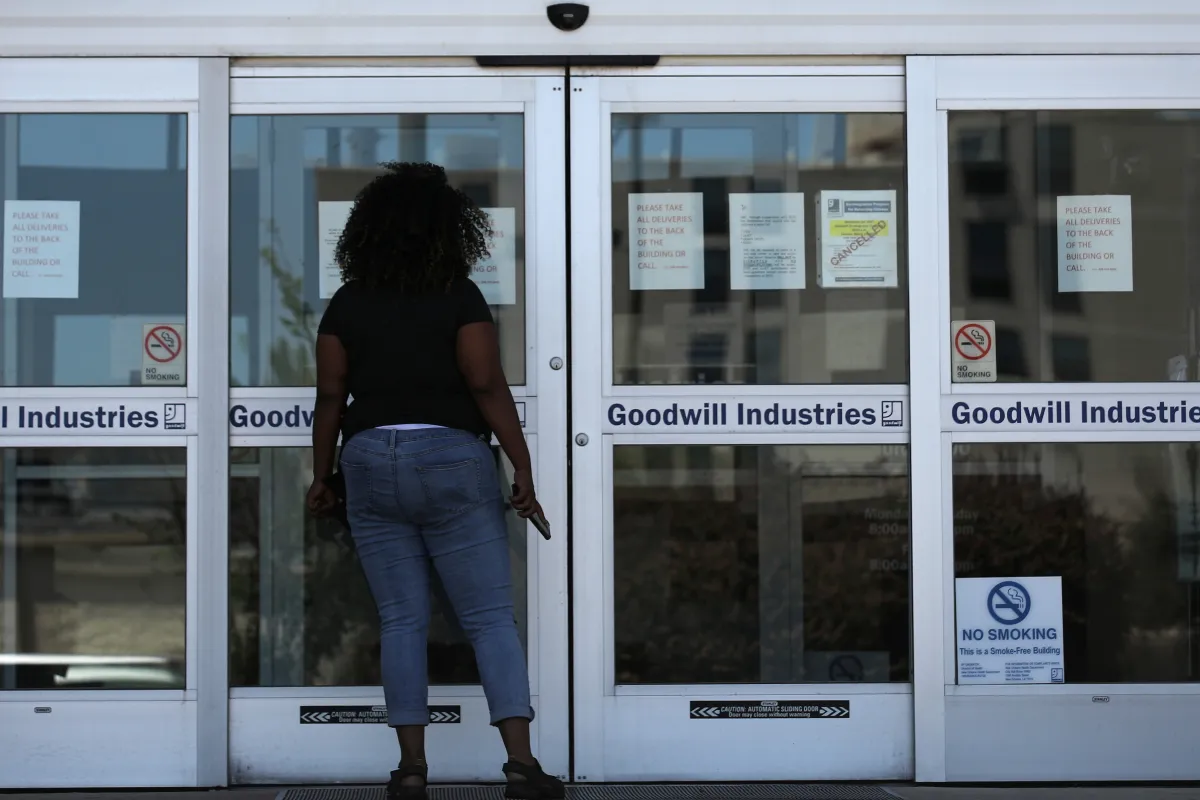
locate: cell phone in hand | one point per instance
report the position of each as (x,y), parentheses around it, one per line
(543,527)
(539,522)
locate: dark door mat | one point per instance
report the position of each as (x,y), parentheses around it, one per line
(685,791)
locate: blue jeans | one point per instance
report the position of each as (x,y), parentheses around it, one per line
(421,497)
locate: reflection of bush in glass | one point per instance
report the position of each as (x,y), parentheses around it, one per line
(691,583)
(1125,612)
(335,638)
(856,585)
(687,594)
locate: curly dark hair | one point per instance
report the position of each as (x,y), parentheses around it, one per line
(411,230)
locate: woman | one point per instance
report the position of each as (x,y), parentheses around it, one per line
(410,337)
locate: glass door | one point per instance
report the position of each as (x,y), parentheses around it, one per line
(1071,456)
(740,461)
(100,672)
(304,639)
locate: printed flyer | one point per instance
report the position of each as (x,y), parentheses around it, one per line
(856,239)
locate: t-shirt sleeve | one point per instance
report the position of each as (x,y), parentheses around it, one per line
(472,307)
(333,320)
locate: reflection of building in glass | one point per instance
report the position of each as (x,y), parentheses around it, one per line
(717,335)
(1128,504)
(1007,171)
(291,164)
(127,172)
(94,586)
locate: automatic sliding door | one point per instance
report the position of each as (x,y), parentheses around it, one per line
(742,600)
(304,635)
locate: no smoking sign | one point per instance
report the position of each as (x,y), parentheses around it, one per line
(973,351)
(164,354)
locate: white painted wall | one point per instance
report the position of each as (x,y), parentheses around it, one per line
(358,28)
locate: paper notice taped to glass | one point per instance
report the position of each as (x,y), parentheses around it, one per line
(666,241)
(496,276)
(856,239)
(331,221)
(41,248)
(1095,243)
(766,241)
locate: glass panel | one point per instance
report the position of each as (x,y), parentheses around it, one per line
(93,568)
(1075,231)
(715,256)
(95,246)
(761,564)
(300,610)
(291,179)
(1119,522)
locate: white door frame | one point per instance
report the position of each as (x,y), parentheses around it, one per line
(1144,730)
(267,743)
(644,732)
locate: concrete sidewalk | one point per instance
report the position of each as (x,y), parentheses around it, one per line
(1046,793)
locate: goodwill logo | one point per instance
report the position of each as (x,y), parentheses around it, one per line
(1093,412)
(760,413)
(1009,630)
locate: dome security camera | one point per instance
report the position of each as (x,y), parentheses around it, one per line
(567,16)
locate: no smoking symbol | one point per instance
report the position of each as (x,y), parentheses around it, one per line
(973,342)
(163,344)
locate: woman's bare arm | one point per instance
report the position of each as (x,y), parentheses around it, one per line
(479,362)
(331,403)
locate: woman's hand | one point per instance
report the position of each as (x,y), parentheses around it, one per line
(524,499)
(320,498)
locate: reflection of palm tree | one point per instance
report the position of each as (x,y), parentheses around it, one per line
(291,354)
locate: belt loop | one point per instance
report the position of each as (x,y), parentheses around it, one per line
(392,441)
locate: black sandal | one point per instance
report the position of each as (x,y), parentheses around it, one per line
(397,790)
(532,783)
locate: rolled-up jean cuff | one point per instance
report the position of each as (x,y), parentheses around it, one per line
(406,717)
(502,714)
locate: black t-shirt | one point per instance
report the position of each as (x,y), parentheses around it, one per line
(402,353)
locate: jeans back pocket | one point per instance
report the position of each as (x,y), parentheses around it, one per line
(452,487)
